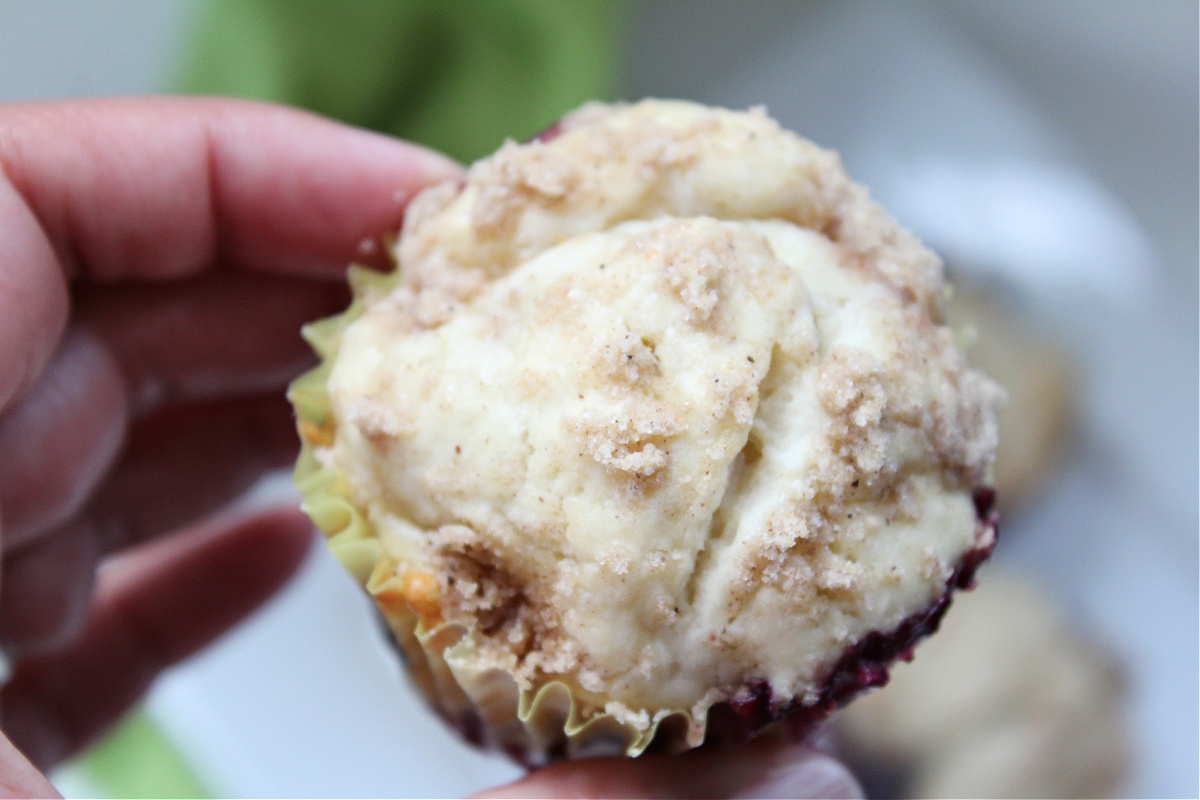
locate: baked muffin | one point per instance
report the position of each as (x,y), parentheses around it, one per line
(1010,699)
(1040,376)
(654,436)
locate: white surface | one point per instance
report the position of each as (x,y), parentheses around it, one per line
(305,701)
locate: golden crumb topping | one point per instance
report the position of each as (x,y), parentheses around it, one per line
(664,407)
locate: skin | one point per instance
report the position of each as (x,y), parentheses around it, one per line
(157,258)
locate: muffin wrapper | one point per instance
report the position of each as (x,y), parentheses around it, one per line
(552,721)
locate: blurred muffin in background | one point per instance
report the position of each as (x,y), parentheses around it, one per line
(1039,373)
(1010,699)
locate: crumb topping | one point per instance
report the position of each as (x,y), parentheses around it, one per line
(665,406)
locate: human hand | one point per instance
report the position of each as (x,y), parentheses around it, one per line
(157,258)
(771,766)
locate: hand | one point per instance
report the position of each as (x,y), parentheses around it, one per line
(157,258)
(770,766)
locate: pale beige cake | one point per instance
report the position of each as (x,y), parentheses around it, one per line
(660,408)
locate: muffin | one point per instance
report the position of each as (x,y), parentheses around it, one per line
(653,437)
(1011,699)
(1040,375)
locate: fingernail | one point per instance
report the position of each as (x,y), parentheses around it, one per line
(807,775)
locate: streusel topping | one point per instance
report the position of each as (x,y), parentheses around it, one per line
(661,407)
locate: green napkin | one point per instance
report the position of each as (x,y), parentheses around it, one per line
(456,75)
(136,760)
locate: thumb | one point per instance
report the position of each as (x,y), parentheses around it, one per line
(19,778)
(763,769)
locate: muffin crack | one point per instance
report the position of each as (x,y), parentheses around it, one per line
(742,472)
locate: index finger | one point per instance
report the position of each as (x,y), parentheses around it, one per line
(122,189)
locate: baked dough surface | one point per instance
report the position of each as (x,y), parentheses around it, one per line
(660,408)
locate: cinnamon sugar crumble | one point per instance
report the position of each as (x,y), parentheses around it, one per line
(667,400)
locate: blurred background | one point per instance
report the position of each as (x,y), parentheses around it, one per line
(1049,151)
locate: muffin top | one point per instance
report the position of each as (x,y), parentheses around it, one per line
(659,407)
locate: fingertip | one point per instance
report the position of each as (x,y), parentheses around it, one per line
(439,168)
(272,543)
(288,529)
(803,773)
(34,306)
(61,438)
(45,588)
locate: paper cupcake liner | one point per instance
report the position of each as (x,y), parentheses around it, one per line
(552,720)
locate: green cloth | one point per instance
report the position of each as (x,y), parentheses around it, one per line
(136,761)
(456,75)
